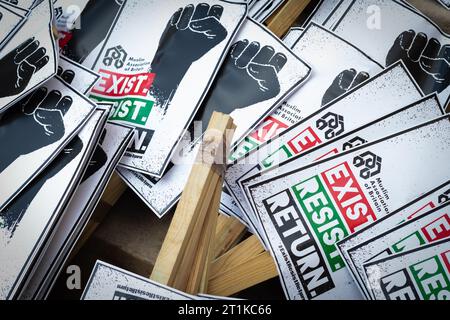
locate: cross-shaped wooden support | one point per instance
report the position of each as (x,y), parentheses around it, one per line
(183,262)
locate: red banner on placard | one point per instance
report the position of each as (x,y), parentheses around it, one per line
(349,197)
(304,140)
(269,129)
(438,229)
(112,84)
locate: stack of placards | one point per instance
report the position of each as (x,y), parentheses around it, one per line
(338,162)
(351,197)
(58,150)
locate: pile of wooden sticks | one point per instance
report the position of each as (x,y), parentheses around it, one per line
(195,256)
(187,252)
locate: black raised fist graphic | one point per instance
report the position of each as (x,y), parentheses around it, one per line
(426,59)
(346,80)
(249,76)
(66,75)
(10,218)
(19,66)
(96,18)
(191,32)
(35,122)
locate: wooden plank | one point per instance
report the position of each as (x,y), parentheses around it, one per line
(254,271)
(183,279)
(210,254)
(177,254)
(201,261)
(282,20)
(228,233)
(194,249)
(181,276)
(207,272)
(246,250)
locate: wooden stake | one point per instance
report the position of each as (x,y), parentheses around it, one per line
(252,272)
(201,261)
(286,16)
(246,250)
(207,272)
(175,260)
(228,233)
(190,249)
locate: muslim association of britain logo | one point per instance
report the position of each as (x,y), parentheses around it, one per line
(444,197)
(369,163)
(332,123)
(115,56)
(356,141)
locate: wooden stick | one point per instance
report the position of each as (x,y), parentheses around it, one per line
(201,262)
(192,250)
(188,251)
(207,272)
(210,254)
(177,254)
(192,281)
(280,23)
(246,250)
(254,271)
(228,233)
